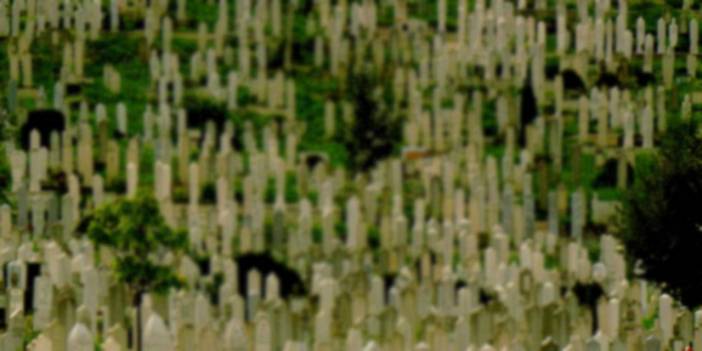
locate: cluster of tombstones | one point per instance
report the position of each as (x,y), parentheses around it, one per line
(469,239)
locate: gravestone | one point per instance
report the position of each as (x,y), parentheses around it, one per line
(80,338)
(652,343)
(156,336)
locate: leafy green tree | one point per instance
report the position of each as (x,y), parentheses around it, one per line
(661,225)
(137,235)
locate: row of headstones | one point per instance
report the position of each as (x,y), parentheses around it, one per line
(261,53)
(354,239)
(232,89)
(601,339)
(485,209)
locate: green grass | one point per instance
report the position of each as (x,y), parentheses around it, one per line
(649,322)
(184,48)
(122,52)
(46,64)
(146,167)
(200,11)
(609,194)
(312,91)
(292,194)
(428,10)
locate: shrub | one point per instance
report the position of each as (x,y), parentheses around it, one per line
(375,134)
(661,223)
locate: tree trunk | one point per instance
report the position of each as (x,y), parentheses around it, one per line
(137,304)
(595,323)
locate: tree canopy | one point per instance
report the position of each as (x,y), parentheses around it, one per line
(138,236)
(661,218)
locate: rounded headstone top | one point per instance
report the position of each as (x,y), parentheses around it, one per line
(599,272)
(371,346)
(155,326)
(698,317)
(42,342)
(83,315)
(156,335)
(235,333)
(111,344)
(80,338)
(272,287)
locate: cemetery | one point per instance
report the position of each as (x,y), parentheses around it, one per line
(361,175)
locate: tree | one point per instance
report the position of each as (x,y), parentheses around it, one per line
(137,235)
(661,225)
(376,132)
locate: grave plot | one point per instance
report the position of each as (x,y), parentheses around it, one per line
(336,174)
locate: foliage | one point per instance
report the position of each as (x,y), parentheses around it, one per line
(661,222)
(317,234)
(136,232)
(113,49)
(203,109)
(311,92)
(290,195)
(201,11)
(291,191)
(29,333)
(375,134)
(648,323)
(129,56)
(302,39)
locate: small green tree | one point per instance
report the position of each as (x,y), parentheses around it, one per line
(661,219)
(137,235)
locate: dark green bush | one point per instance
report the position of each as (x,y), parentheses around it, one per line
(376,133)
(661,221)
